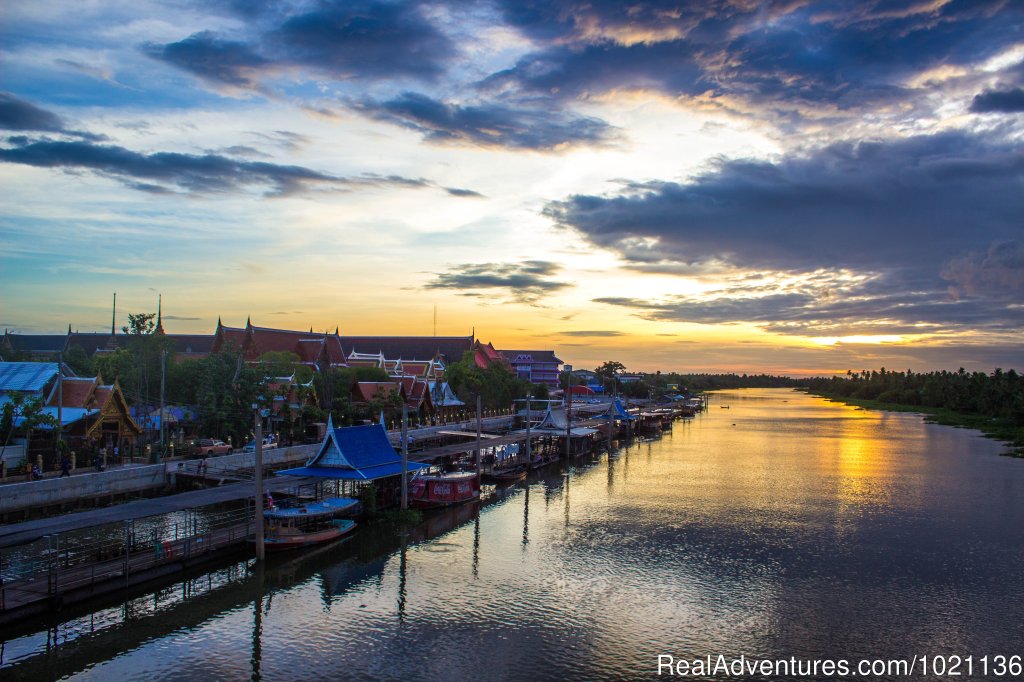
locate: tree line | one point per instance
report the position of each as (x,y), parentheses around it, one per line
(999,394)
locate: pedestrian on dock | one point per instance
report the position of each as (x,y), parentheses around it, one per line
(36,472)
(97,461)
(65,467)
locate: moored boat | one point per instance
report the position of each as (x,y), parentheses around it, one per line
(428,491)
(310,524)
(505,475)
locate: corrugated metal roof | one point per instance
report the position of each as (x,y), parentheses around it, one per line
(26,376)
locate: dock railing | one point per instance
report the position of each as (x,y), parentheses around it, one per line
(61,563)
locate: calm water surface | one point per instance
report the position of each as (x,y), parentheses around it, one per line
(782,526)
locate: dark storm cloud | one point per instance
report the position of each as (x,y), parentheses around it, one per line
(571,72)
(491,124)
(524,282)
(368,40)
(910,203)
(841,54)
(164,172)
(999,101)
(935,221)
(213,59)
(365,40)
(802,313)
(18,114)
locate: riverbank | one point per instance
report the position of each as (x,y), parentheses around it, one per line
(994,428)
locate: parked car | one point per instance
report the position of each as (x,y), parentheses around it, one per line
(208,446)
(269,442)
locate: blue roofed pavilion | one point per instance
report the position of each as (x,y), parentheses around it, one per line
(356,453)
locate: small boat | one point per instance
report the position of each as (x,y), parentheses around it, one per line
(310,524)
(428,491)
(505,475)
(724,407)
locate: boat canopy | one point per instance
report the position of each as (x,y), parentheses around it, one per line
(326,507)
(358,453)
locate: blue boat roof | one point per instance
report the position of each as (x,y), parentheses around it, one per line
(325,507)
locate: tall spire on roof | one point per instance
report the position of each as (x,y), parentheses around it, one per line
(69,329)
(248,322)
(159,315)
(113,317)
(337,328)
(218,322)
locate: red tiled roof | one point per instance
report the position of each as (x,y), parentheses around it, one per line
(411,347)
(103,396)
(75,392)
(367,391)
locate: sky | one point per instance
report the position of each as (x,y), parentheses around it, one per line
(788,187)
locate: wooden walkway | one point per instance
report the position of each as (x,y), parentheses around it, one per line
(29,531)
(37,593)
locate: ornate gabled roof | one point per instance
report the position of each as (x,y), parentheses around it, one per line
(75,392)
(355,452)
(411,347)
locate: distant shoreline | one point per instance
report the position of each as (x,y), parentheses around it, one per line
(992,427)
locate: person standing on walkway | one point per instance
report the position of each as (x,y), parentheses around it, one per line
(65,467)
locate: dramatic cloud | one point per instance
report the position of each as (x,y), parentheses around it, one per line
(872,205)
(906,214)
(17,114)
(1000,270)
(365,40)
(342,40)
(491,124)
(164,172)
(212,59)
(525,282)
(1000,101)
(851,311)
(833,56)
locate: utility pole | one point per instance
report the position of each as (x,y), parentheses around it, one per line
(529,444)
(479,426)
(568,423)
(258,440)
(405,456)
(60,402)
(163,396)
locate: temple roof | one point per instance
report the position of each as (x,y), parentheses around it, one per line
(354,452)
(411,347)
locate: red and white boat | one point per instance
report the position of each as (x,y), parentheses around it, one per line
(310,524)
(428,491)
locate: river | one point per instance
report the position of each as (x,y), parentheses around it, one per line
(781,527)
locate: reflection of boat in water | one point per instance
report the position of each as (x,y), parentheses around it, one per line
(309,524)
(428,491)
